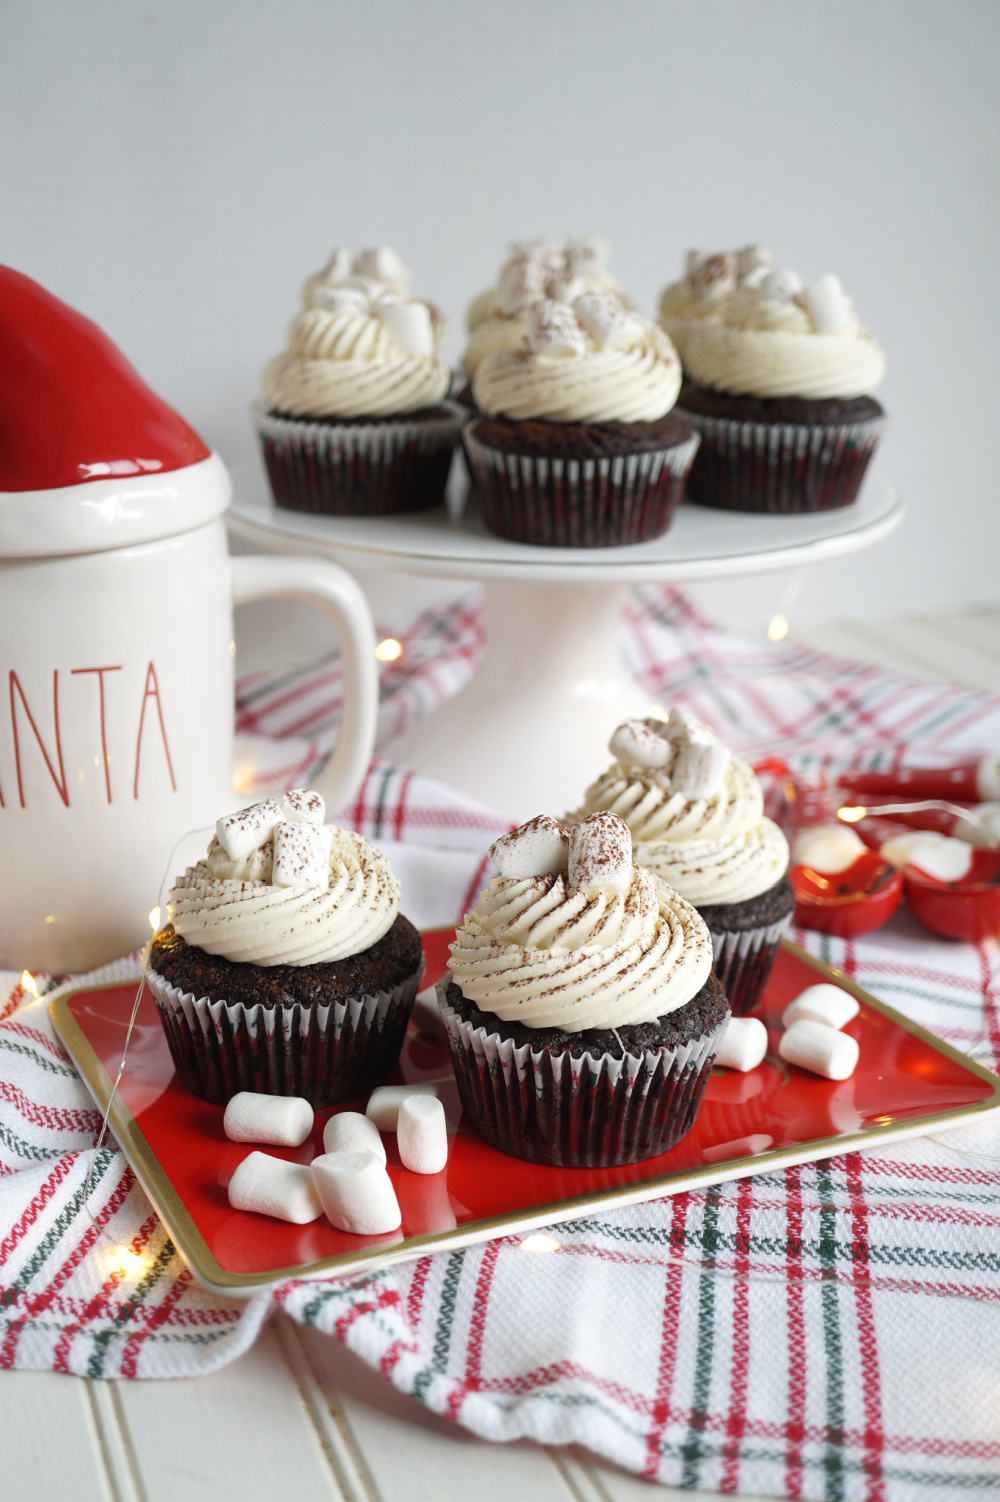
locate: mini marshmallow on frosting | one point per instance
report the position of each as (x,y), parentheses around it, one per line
(572,934)
(361,346)
(695,812)
(591,360)
(280,887)
(745,326)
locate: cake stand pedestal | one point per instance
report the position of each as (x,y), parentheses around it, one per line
(530,731)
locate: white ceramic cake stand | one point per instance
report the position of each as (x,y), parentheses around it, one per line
(530,731)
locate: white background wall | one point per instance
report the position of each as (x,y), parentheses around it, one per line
(175,168)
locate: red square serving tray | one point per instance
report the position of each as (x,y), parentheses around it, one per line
(906,1082)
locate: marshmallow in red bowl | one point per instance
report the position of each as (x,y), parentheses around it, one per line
(582,1013)
(354,419)
(696,817)
(286,967)
(778,380)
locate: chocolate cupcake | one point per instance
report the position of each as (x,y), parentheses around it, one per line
(778,382)
(355,419)
(287,968)
(581,1010)
(577,445)
(696,816)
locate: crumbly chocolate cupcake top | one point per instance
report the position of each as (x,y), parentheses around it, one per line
(590,361)
(361,346)
(572,934)
(280,887)
(560,269)
(746,327)
(695,811)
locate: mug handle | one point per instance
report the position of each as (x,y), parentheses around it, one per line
(332,590)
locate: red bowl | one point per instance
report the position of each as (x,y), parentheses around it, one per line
(968,909)
(851,902)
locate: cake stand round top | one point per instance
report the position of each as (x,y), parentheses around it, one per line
(701,543)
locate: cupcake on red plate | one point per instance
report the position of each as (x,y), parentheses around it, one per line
(354,419)
(580,1004)
(286,968)
(778,380)
(696,817)
(577,444)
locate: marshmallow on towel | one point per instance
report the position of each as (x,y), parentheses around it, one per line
(538,848)
(822,1003)
(301,855)
(241,833)
(350,1132)
(821,1049)
(422,1134)
(384,1102)
(356,1193)
(303,806)
(281,1120)
(427,1014)
(600,854)
(744,1044)
(270,1186)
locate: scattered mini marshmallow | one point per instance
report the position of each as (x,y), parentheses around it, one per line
(553,330)
(427,1014)
(827,848)
(701,763)
(350,1132)
(301,856)
(823,1003)
(940,855)
(600,854)
(422,1134)
(637,744)
(281,1120)
(538,848)
(715,276)
(780,285)
(409,323)
(384,1102)
(303,806)
(827,305)
(520,283)
(382,263)
(243,831)
(743,1045)
(605,319)
(270,1186)
(820,1049)
(341,300)
(356,1193)
(753,259)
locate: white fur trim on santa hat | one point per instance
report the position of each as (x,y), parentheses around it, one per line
(112,513)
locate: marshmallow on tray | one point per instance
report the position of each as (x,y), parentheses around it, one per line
(383,1104)
(422,1134)
(281,1120)
(822,1003)
(351,1132)
(426,1013)
(820,1049)
(356,1193)
(272,1186)
(744,1044)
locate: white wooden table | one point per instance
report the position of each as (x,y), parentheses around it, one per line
(299,1417)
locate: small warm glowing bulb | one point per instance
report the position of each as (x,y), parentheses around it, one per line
(131,1264)
(540,1244)
(389,650)
(778,627)
(28,982)
(851,815)
(154,919)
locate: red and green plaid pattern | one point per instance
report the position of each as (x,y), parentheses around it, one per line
(828,1332)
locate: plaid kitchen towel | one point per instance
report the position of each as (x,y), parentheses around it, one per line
(832,1331)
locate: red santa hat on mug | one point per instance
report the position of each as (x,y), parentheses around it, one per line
(90,457)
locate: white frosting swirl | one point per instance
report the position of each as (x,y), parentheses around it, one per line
(712,850)
(535,951)
(230,908)
(636,381)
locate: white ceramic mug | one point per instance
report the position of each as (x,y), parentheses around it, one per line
(116,715)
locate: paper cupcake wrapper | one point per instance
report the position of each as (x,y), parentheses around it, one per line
(743,959)
(325,1053)
(578,503)
(779,467)
(359,468)
(576,1113)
